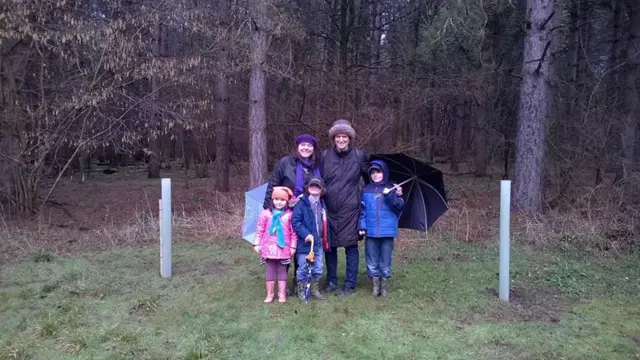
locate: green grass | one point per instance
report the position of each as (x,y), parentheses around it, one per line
(442,305)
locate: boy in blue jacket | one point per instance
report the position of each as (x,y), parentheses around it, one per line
(379,222)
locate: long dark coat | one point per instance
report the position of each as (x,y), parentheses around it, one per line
(341,172)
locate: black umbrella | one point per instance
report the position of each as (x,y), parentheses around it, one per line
(422,187)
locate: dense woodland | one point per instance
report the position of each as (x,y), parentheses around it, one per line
(544,92)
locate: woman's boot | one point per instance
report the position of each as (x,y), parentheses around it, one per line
(282,291)
(376,286)
(271,286)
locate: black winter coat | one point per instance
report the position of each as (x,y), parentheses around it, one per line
(284,174)
(341,173)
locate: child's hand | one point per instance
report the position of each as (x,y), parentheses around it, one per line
(292,252)
(256,248)
(308,238)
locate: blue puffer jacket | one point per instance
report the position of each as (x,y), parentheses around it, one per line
(379,216)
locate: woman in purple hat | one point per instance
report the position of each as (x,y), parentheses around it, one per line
(293,171)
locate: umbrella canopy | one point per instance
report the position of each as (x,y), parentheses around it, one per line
(253,201)
(422,187)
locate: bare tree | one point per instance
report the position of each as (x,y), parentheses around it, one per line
(257,95)
(156,139)
(222,101)
(631,114)
(535,103)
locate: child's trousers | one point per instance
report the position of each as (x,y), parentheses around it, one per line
(378,255)
(303,265)
(275,270)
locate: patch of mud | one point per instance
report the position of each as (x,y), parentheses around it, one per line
(455,257)
(525,305)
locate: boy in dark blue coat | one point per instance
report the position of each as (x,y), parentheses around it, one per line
(310,222)
(379,222)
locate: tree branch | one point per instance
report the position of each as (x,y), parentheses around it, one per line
(544,53)
(546,21)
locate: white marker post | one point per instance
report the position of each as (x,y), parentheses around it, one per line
(165,229)
(505,212)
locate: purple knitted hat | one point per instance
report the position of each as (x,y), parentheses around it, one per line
(307,138)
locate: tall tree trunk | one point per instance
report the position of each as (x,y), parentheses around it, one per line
(535,104)
(480,140)
(156,138)
(8,167)
(325,98)
(186,142)
(458,111)
(375,36)
(257,99)
(617,57)
(631,115)
(222,104)
(345,33)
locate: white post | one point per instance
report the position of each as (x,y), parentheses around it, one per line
(505,211)
(165,229)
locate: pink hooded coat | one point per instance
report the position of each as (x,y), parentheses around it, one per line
(269,243)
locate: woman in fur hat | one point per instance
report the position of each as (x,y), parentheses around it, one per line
(342,167)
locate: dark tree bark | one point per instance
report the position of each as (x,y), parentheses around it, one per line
(257,98)
(480,140)
(156,139)
(535,104)
(346,23)
(631,114)
(458,112)
(222,104)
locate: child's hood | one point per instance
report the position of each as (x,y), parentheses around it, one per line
(382,166)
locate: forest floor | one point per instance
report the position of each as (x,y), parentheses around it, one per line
(82,282)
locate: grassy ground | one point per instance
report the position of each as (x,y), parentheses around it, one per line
(442,305)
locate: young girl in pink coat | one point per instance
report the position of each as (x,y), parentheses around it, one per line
(276,242)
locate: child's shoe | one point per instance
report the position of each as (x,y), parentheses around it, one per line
(315,290)
(376,286)
(383,287)
(300,290)
(271,286)
(282,291)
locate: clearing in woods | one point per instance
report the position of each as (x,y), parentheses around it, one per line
(88,287)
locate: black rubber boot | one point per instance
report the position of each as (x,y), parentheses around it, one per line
(346,292)
(329,287)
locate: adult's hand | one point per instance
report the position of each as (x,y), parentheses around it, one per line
(308,238)
(294,201)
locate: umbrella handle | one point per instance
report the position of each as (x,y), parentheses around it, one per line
(386,191)
(312,255)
